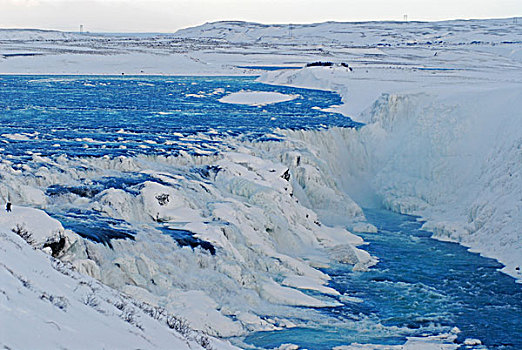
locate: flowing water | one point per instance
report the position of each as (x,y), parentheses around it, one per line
(419,287)
(96,116)
(112,116)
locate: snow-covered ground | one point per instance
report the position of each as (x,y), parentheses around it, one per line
(46,304)
(220,48)
(443,140)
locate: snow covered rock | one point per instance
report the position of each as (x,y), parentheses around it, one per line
(45,304)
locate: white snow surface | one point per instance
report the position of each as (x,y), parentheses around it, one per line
(220,48)
(256,98)
(45,304)
(449,153)
(353,34)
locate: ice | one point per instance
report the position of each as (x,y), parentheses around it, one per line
(257,98)
(438,342)
(226,201)
(18,137)
(278,294)
(41,295)
(303,282)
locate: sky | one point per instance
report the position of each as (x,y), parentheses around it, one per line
(170,15)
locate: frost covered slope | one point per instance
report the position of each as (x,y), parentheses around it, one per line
(450,153)
(44,304)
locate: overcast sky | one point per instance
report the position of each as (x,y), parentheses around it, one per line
(170,15)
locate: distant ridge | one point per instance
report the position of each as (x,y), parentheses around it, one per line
(358,33)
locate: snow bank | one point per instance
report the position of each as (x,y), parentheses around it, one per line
(257,98)
(450,154)
(33,220)
(359,88)
(45,304)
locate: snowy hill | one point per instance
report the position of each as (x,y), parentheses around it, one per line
(363,34)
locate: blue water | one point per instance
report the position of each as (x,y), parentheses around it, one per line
(419,287)
(436,69)
(94,226)
(270,68)
(94,116)
(81,116)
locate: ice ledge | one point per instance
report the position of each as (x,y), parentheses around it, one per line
(257,98)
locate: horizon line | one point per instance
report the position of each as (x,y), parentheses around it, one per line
(266,24)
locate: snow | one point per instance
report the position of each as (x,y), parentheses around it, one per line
(269,246)
(415,142)
(36,221)
(17,137)
(354,35)
(442,144)
(278,294)
(304,282)
(256,98)
(45,304)
(220,48)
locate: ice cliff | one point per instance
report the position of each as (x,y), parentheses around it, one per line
(451,154)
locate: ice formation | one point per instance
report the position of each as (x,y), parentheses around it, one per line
(451,156)
(267,243)
(256,98)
